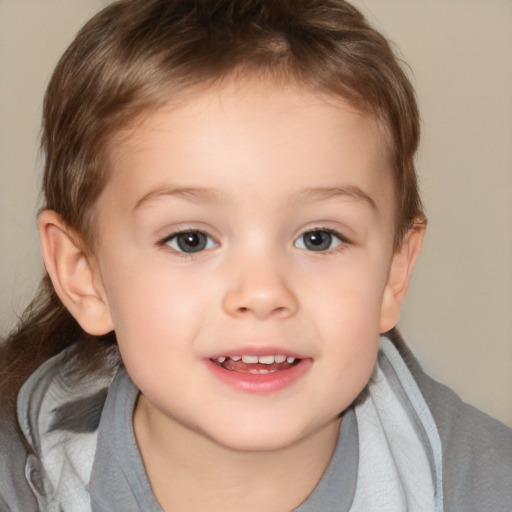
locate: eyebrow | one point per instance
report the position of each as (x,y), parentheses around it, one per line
(321,193)
(195,194)
(205,194)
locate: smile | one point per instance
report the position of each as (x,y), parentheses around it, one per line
(259,373)
(256,365)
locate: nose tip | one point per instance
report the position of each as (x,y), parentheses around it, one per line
(260,293)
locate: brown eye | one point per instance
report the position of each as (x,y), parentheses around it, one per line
(318,240)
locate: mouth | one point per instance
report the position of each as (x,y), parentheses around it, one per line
(256,365)
(261,373)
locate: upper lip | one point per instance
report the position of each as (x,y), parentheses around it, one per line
(257,351)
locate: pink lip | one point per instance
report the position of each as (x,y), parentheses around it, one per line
(258,351)
(260,383)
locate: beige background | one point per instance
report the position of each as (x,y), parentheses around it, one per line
(458,318)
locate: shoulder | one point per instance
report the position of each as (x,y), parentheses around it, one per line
(477,449)
(15,493)
(47,445)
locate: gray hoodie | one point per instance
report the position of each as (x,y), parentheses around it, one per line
(411,445)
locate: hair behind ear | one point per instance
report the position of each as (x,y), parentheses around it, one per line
(46,328)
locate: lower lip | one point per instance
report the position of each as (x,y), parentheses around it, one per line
(261,383)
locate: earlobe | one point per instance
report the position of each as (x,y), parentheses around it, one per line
(75,279)
(399,277)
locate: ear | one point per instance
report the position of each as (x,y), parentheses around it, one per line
(74,274)
(400,272)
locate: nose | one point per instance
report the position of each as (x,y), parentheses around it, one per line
(258,287)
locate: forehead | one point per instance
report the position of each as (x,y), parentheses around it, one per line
(236,135)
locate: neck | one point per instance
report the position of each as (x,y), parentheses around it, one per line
(189,471)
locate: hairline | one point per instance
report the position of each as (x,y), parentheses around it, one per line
(174,96)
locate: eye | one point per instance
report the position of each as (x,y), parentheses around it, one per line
(319,240)
(190,242)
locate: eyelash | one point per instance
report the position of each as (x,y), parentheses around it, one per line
(182,253)
(343,241)
(341,246)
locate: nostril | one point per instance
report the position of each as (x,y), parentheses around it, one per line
(260,302)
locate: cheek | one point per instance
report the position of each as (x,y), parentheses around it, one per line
(152,308)
(347,314)
(349,296)
(352,351)
(155,331)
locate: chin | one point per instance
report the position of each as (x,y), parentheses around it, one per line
(268,438)
(260,444)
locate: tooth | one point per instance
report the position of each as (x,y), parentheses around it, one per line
(280,359)
(290,359)
(266,359)
(264,371)
(221,359)
(235,358)
(250,359)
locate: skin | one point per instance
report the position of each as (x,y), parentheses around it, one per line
(254,166)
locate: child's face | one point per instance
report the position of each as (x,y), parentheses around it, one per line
(285,204)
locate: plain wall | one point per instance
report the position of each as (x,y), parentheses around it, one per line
(458,316)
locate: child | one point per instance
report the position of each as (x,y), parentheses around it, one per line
(231,221)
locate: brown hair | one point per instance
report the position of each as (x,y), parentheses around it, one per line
(135,55)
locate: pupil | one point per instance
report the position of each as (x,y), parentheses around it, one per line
(191,242)
(318,240)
